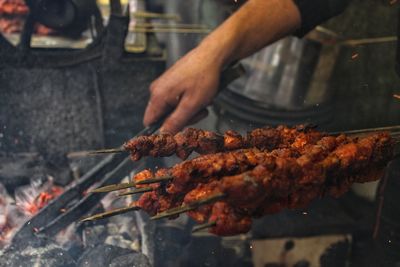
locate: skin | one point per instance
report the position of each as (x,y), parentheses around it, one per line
(190,85)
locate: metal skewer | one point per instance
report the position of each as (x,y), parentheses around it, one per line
(116,187)
(203,226)
(137,191)
(155,180)
(113,187)
(370,130)
(110,213)
(107,151)
(188,207)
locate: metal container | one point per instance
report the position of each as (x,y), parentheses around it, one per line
(291,74)
(286,82)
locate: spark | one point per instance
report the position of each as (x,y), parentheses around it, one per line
(354,56)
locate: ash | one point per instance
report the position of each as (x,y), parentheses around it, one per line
(112,242)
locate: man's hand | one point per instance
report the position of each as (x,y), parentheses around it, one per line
(185,89)
(191,84)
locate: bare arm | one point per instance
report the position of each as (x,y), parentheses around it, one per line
(191,83)
(255,25)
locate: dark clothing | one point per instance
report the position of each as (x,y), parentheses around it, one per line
(314,12)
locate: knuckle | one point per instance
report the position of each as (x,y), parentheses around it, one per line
(156,97)
(176,120)
(153,88)
(188,105)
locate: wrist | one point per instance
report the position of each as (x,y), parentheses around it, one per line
(212,53)
(220,45)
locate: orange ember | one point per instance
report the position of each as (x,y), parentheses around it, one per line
(43,199)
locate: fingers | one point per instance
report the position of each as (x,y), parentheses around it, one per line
(158,106)
(181,115)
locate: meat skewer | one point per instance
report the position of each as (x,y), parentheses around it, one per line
(233,160)
(354,162)
(259,182)
(206,142)
(187,175)
(175,199)
(225,219)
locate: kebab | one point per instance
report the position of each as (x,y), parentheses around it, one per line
(270,187)
(282,167)
(300,197)
(186,175)
(304,136)
(297,141)
(206,142)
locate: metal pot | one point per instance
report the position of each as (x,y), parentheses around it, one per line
(292,74)
(286,82)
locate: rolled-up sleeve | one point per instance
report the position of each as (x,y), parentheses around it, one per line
(315,12)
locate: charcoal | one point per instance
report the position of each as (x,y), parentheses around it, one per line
(74,248)
(101,255)
(112,229)
(94,235)
(131,260)
(147,229)
(126,225)
(37,254)
(123,233)
(119,241)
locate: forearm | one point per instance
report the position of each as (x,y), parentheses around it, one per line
(255,25)
(192,82)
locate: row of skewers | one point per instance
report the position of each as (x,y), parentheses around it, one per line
(237,178)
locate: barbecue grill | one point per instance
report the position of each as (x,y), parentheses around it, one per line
(59,104)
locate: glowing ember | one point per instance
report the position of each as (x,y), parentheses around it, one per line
(42,200)
(28,201)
